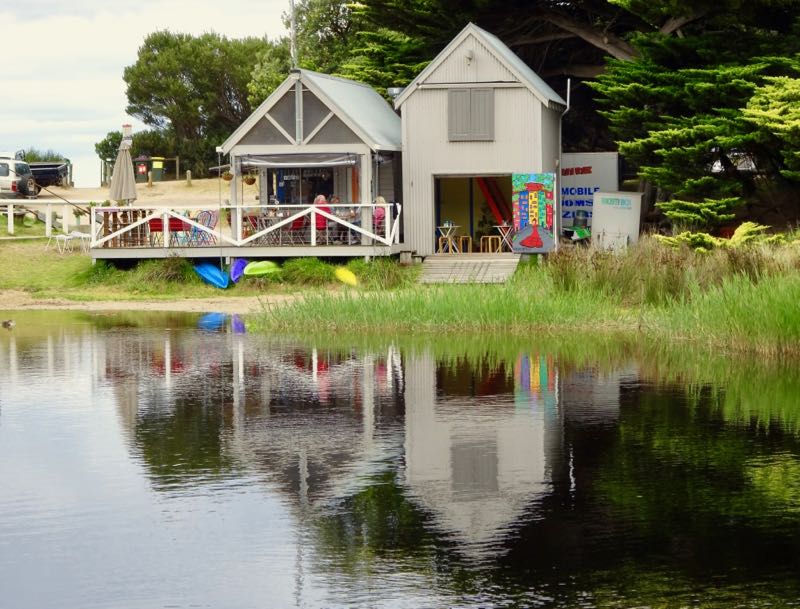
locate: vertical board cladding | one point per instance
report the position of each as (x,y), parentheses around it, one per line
(550,138)
(483,67)
(516,148)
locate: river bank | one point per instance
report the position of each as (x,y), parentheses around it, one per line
(11,300)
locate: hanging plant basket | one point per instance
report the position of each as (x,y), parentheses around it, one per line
(249,180)
(227,176)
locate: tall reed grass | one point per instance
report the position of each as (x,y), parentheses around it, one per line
(742,299)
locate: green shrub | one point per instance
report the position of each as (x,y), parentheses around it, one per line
(101,272)
(308,271)
(383,273)
(173,269)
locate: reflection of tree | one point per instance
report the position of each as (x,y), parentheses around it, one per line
(378,521)
(184,439)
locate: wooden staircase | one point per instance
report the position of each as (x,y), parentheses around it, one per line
(468,268)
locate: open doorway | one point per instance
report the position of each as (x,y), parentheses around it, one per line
(475,206)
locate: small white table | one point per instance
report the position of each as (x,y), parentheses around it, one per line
(448,233)
(505,235)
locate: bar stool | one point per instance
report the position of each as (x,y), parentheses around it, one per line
(447,245)
(465,244)
(491,243)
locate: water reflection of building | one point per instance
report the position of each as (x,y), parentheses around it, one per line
(477,460)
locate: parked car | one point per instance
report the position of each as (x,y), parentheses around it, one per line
(16,179)
(51,173)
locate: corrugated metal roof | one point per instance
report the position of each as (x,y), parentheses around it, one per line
(526,76)
(361,106)
(519,66)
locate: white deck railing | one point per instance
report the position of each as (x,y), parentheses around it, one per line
(264,225)
(50,208)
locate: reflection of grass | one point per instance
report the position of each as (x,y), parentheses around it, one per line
(734,301)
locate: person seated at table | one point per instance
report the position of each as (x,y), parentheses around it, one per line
(340,231)
(321,203)
(379,215)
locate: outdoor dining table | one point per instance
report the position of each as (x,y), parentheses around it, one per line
(447,238)
(505,235)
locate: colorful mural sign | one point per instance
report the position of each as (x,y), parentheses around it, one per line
(533,201)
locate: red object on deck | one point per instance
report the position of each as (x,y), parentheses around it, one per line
(489,200)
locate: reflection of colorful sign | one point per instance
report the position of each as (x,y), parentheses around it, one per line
(535,383)
(533,203)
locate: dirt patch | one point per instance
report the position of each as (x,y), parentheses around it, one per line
(17,299)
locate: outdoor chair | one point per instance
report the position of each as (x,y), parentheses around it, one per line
(296,234)
(178,231)
(199,236)
(491,244)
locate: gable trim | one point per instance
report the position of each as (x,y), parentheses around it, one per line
(469,30)
(340,114)
(277,125)
(260,113)
(316,129)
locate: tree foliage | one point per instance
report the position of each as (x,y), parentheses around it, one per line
(193,86)
(34,155)
(774,109)
(107,148)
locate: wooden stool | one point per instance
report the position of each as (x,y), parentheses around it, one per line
(465,244)
(447,245)
(491,243)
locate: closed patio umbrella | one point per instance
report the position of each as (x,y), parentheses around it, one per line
(123,190)
(123,182)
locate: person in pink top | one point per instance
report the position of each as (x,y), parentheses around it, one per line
(379,215)
(322,203)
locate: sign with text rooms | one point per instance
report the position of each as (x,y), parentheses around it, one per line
(582,175)
(534,204)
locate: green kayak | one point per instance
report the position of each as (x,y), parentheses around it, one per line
(261,268)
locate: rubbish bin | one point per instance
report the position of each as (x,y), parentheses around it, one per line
(142,165)
(157,168)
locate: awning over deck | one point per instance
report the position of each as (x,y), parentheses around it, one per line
(303,160)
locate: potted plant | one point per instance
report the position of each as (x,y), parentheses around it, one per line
(249,179)
(227,176)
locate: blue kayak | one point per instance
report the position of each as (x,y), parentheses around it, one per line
(210,273)
(237,269)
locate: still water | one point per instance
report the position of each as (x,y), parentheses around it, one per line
(179,461)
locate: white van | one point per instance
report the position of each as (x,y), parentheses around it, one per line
(16,179)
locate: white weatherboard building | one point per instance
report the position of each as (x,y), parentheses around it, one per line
(473,117)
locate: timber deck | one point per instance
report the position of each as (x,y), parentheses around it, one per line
(468,268)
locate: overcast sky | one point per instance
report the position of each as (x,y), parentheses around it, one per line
(61,64)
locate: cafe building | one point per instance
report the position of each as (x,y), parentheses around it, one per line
(319,135)
(476,123)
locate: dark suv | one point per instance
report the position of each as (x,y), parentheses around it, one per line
(16,179)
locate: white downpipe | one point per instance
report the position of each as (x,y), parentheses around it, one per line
(558,211)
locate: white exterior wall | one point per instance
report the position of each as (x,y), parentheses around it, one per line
(550,144)
(484,67)
(519,145)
